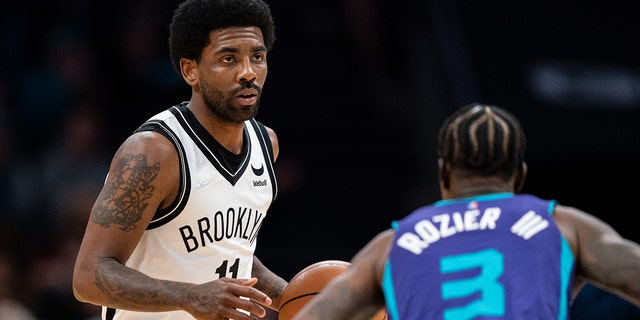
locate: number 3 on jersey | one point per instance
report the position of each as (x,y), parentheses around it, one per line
(492,300)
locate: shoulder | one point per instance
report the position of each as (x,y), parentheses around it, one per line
(375,253)
(579,227)
(152,144)
(149,151)
(150,157)
(573,217)
(268,130)
(273,137)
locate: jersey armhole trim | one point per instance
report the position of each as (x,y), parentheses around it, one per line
(267,151)
(167,214)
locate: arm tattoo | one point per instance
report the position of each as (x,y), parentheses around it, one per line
(131,289)
(122,200)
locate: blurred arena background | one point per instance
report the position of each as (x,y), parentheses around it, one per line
(356,91)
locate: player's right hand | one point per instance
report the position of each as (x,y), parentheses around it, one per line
(225,298)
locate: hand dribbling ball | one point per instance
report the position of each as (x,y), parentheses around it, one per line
(309,282)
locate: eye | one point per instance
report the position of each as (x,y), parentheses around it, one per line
(259,57)
(228,59)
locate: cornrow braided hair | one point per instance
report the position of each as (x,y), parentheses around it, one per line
(483,139)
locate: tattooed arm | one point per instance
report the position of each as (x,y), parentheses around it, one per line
(268,282)
(140,180)
(143,177)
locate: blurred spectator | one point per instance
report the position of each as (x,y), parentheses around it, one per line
(18,178)
(12,305)
(74,166)
(66,70)
(49,277)
(145,74)
(6,141)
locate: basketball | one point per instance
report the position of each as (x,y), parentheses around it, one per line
(309,282)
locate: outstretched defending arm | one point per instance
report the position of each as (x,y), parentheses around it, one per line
(604,257)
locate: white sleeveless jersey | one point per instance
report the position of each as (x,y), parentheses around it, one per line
(210,231)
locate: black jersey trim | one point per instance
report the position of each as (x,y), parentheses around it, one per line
(161,217)
(209,147)
(111,312)
(267,152)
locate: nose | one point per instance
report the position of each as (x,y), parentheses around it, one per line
(247,72)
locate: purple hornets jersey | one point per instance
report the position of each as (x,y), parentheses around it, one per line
(496,256)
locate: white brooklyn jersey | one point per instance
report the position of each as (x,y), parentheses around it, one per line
(210,231)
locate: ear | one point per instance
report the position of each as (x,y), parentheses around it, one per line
(189,71)
(443,173)
(521,175)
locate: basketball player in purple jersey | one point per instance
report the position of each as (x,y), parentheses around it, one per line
(483,251)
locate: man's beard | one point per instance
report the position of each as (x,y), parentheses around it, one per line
(221,105)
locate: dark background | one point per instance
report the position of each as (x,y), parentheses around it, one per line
(356,92)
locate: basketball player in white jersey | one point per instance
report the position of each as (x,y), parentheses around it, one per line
(172,234)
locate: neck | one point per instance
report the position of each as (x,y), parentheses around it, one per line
(474,192)
(465,187)
(229,135)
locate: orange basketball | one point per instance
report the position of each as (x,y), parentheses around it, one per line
(309,282)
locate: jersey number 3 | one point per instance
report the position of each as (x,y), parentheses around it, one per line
(492,299)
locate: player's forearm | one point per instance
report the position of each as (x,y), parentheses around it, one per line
(117,286)
(622,272)
(268,282)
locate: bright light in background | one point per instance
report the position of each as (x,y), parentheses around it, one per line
(585,85)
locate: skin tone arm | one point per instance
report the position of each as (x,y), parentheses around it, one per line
(270,283)
(142,178)
(356,293)
(604,258)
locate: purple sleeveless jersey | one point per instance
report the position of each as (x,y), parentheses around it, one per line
(496,256)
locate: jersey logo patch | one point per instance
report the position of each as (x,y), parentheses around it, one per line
(202,184)
(258,171)
(529,224)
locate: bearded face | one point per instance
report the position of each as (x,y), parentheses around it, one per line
(224,104)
